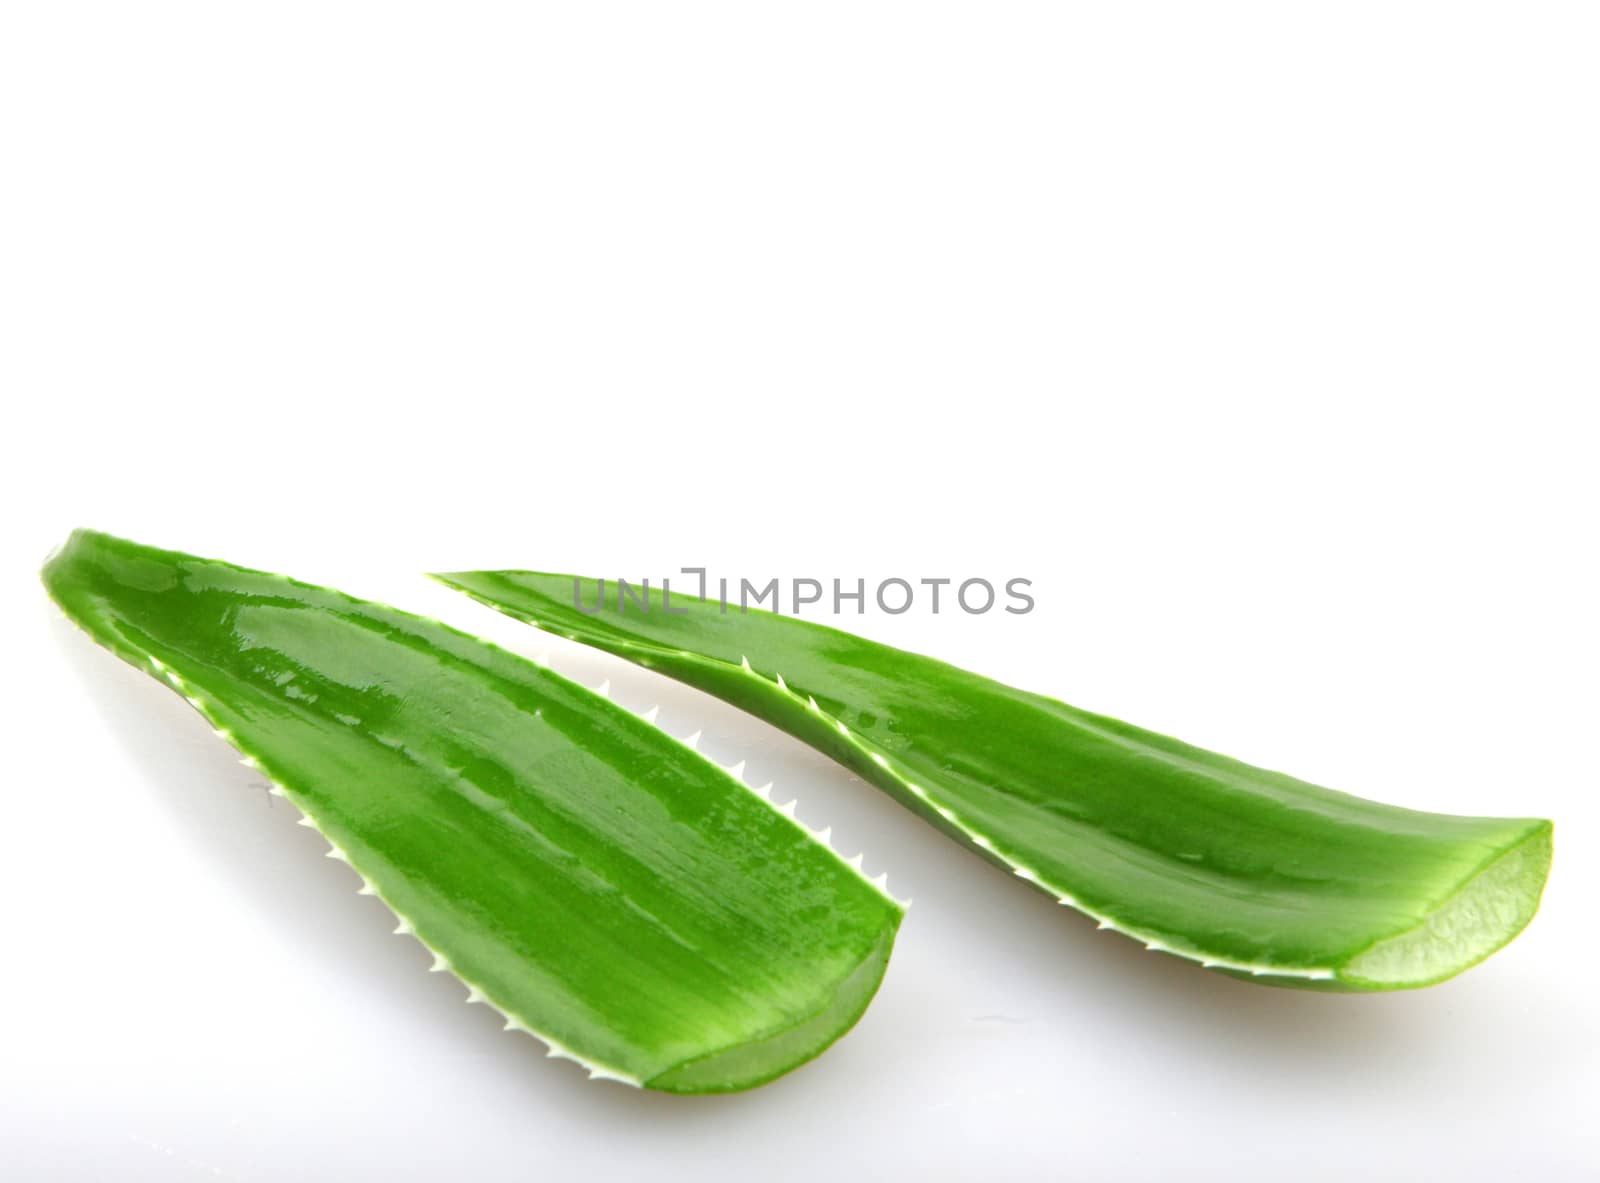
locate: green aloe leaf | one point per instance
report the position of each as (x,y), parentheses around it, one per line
(599,883)
(1246,871)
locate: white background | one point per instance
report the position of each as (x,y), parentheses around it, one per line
(1261,337)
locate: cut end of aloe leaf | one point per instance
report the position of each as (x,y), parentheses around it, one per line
(756,1061)
(1488,911)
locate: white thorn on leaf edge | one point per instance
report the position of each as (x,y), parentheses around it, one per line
(692,742)
(782,685)
(744,664)
(736,770)
(650,715)
(604,689)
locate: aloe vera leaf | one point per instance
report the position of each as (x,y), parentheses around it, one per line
(1249,872)
(602,885)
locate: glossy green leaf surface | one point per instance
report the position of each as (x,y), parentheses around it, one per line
(1247,871)
(598,882)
